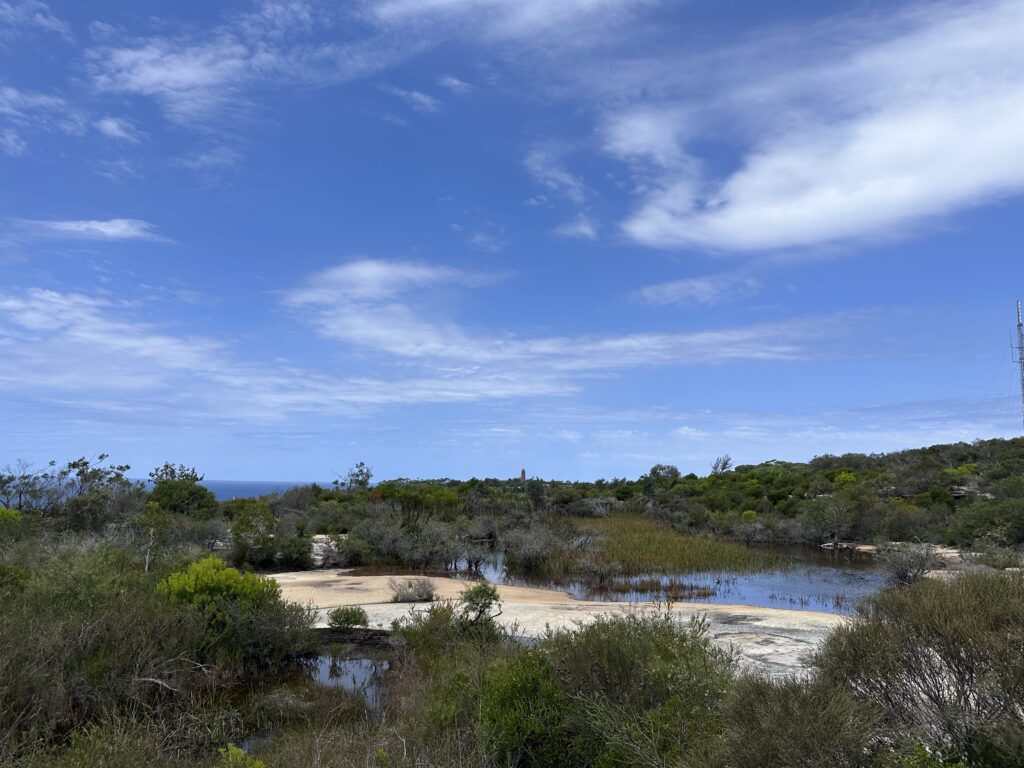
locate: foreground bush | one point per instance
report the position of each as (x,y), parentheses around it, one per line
(943,661)
(247,623)
(793,723)
(624,690)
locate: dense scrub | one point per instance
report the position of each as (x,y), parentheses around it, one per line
(126,638)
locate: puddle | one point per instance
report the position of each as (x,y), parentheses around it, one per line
(363,675)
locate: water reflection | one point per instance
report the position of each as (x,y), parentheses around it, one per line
(812,580)
(363,675)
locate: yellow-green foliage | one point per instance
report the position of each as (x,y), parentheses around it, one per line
(210,582)
(9,516)
(641,545)
(235,757)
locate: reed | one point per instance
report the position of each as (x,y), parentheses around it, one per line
(639,545)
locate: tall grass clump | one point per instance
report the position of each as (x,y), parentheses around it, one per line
(638,545)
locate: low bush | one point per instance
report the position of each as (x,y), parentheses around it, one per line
(943,662)
(907,563)
(797,723)
(347,617)
(406,590)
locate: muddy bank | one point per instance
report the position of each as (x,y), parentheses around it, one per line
(770,639)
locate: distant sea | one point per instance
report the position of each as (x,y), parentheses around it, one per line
(225,490)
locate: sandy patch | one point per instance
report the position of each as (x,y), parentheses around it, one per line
(770,639)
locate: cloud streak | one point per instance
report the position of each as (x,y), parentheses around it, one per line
(358,305)
(94,229)
(881,136)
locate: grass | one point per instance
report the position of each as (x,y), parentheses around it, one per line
(638,545)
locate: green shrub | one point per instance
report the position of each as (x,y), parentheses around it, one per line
(294,552)
(347,617)
(643,685)
(943,661)
(405,590)
(253,534)
(184,497)
(12,579)
(210,583)
(524,711)
(247,622)
(235,757)
(477,602)
(907,563)
(795,723)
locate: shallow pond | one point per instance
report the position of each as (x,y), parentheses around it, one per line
(812,579)
(363,675)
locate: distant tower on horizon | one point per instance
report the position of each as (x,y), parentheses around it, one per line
(1020,358)
(522,475)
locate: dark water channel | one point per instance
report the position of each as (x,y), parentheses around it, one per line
(809,579)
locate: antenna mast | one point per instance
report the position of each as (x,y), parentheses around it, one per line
(1020,355)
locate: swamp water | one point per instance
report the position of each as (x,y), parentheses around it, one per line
(809,579)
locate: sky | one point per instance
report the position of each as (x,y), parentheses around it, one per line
(454,238)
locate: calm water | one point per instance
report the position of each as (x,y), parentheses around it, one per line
(364,675)
(814,580)
(226,490)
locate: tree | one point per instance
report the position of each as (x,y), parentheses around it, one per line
(176,489)
(170,472)
(722,464)
(357,479)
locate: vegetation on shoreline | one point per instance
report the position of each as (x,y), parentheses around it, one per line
(127,638)
(637,545)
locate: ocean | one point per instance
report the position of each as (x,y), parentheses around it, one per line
(241,489)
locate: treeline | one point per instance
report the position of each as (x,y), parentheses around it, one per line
(966,494)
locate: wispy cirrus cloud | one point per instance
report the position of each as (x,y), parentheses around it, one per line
(918,115)
(379,306)
(118,128)
(706,290)
(527,22)
(455,85)
(98,354)
(547,166)
(582,227)
(17,16)
(417,100)
(26,113)
(91,229)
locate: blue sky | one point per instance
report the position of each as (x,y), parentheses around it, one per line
(460,237)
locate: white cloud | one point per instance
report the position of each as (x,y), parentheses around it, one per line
(455,85)
(877,136)
(95,229)
(94,354)
(211,160)
(575,22)
(371,280)
(385,307)
(118,128)
(11,143)
(417,100)
(582,227)
(707,290)
(647,134)
(31,14)
(547,167)
(31,112)
(199,77)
